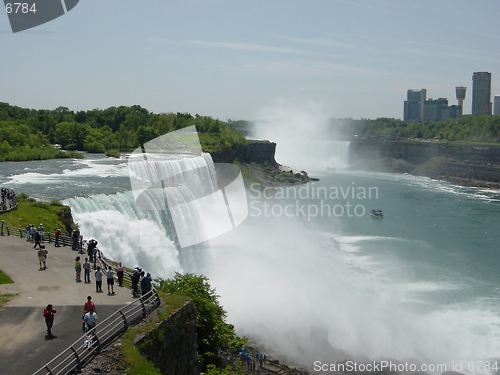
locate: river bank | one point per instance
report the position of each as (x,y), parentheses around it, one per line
(437,168)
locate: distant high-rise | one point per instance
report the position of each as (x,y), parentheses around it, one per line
(414,105)
(460,91)
(496,106)
(481,93)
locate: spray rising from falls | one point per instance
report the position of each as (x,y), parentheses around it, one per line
(306,138)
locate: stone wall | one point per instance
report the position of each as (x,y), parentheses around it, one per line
(470,171)
(419,152)
(171,346)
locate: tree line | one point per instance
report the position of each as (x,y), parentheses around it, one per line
(27,134)
(484,129)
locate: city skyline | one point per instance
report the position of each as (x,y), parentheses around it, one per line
(239,60)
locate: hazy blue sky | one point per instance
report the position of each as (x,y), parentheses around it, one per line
(234,58)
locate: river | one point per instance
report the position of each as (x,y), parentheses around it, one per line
(310,275)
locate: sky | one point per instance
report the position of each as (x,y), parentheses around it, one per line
(234,59)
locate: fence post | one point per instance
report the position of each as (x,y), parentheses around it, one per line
(125,323)
(48,370)
(78,363)
(98,342)
(141,298)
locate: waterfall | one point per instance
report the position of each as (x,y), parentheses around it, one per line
(136,227)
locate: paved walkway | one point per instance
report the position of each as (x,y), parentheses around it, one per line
(22,326)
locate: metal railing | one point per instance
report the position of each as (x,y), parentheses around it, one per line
(78,354)
(47,237)
(66,241)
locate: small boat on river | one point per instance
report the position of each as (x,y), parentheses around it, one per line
(377,213)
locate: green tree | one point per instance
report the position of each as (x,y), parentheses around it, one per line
(71,133)
(213,333)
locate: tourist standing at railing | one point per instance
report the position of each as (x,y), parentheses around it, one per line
(135,281)
(119,273)
(41,231)
(91,250)
(32,233)
(146,284)
(75,236)
(28,232)
(57,233)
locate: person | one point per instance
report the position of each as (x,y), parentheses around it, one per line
(57,233)
(86,271)
(28,234)
(142,274)
(41,231)
(42,258)
(32,233)
(48,314)
(146,284)
(75,237)
(110,280)
(87,343)
(135,281)
(78,269)
(119,273)
(37,240)
(98,280)
(89,305)
(91,249)
(89,320)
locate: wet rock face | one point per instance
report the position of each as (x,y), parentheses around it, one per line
(171,346)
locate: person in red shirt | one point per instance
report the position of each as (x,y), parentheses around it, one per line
(87,307)
(48,314)
(57,233)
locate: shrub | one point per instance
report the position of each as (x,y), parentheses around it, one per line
(213,333)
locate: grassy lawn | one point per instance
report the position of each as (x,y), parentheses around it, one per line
(4,279)
(4,298)
(52,215)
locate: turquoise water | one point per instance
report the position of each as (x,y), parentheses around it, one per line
(421,283)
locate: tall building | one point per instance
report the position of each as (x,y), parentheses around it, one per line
(438,109)
(414,105)
(496,106)
(481,93)
(460,91)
